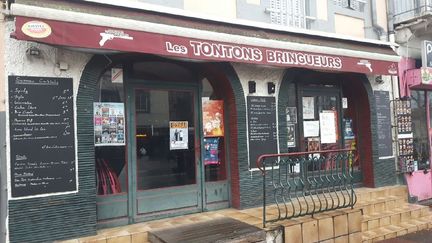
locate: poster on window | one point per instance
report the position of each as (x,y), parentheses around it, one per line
(348,129)
(211,151)
(313,144)
(178,135)
(311,128)
(291,142)
(109,124)
(308,107)
(213,118)
(291,114)
(328,127)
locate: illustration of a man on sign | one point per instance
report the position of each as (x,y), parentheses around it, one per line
(178,135)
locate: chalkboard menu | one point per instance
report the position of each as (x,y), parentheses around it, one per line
(42,147)
(382,102)
(262,127)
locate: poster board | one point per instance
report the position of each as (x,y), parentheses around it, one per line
(262,131)
(109,124)
(42,136)
(384,142)
(328,126)
(179,136)
(213,118)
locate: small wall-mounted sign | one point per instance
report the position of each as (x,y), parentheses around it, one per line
(427,53)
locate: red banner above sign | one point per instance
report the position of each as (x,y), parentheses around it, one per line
(99,37)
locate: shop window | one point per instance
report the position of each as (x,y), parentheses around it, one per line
(420,130)
(142,102)
(214,134)
(109,137)
(357,5)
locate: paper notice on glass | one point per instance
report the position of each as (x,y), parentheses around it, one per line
(328,127)
(308,107)
(178,135)
(311,128)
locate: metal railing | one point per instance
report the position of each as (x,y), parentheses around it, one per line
(306,183)
(405,10)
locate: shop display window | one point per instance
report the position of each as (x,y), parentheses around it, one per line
(214,134)
(419,124)
(109,137)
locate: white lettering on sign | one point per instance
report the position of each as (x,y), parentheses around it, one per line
(173,48)
(287,57)
(202,48)
(428,47)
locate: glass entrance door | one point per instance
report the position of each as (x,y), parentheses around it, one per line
(321,108)
(165,152)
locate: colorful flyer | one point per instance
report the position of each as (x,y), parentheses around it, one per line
(109,124)
(348,129)
(213,118)
(178,135)
(313,144)
(211,151)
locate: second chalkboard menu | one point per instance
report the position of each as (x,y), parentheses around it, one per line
(261,127)
(42,141)
(383,123)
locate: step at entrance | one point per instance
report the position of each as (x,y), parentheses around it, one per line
(217,230)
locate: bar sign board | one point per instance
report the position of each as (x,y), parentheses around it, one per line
(383,123)
(261,127)
(42,141)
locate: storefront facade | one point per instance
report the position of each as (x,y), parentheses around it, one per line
(164,115)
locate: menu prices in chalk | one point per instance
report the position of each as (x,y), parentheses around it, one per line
(261,127)
(42,145)
(383,123)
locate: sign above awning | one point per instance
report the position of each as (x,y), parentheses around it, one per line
(106,38)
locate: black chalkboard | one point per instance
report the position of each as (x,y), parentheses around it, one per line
(261,127)
(382,102)
(42,147)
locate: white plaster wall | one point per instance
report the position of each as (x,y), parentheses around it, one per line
(347,25)
(261,75)
(221,8)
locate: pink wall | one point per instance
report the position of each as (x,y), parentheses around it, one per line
(419,184)
(404,65)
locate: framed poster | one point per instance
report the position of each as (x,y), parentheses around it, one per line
(308,107)
(213,118)
(291,114)
(291,139)
(109,124)
(178,135)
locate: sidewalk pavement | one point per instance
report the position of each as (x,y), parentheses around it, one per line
(424,236)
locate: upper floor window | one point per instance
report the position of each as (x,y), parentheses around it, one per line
(288,12)
(357,5)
